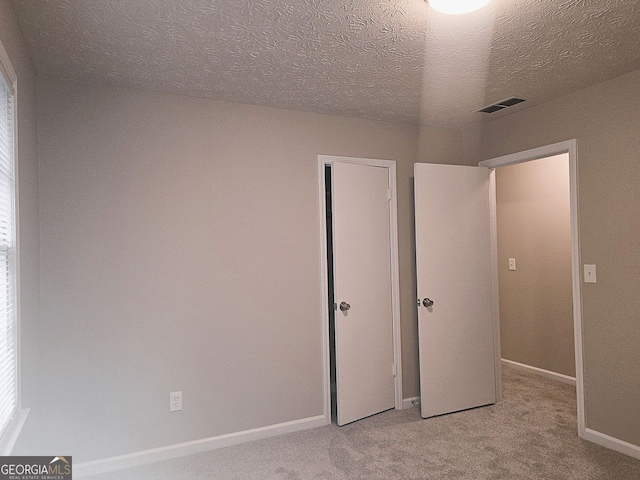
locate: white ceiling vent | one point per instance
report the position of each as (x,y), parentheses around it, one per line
(496,107)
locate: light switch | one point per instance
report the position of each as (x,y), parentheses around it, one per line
(589,274)
(512,264)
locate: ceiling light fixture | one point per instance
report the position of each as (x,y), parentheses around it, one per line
(456,7)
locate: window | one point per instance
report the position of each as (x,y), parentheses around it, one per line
(8,318)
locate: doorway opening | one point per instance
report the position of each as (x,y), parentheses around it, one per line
(534,267)
(569,148)
(330,290)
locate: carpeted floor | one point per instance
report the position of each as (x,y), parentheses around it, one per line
(532,434)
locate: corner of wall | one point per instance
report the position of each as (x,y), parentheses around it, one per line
(439,145)
(471,141)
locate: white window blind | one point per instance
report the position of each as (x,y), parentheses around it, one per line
(8,320)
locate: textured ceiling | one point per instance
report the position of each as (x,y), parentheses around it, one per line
(394,60)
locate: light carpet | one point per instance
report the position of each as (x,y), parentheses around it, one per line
(531,434)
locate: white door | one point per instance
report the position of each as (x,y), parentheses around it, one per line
(453,263)
(362,291)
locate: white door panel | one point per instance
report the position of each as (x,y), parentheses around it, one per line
(453,263)
(362,279)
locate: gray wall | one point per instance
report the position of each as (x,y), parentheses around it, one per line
(180,251)
(534,227)
(604,120)
(11,38)
(151,283)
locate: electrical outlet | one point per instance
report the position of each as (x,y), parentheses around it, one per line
(175,401)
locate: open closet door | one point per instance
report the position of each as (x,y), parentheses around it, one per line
(362,291)
(454,280)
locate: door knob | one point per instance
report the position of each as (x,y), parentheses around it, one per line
(344,306)
(427,302)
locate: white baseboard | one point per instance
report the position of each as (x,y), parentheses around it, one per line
(612,443)
(542,372)
(189,448)
(408,402)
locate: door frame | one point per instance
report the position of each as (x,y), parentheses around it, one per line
(570,147)
(390,165)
